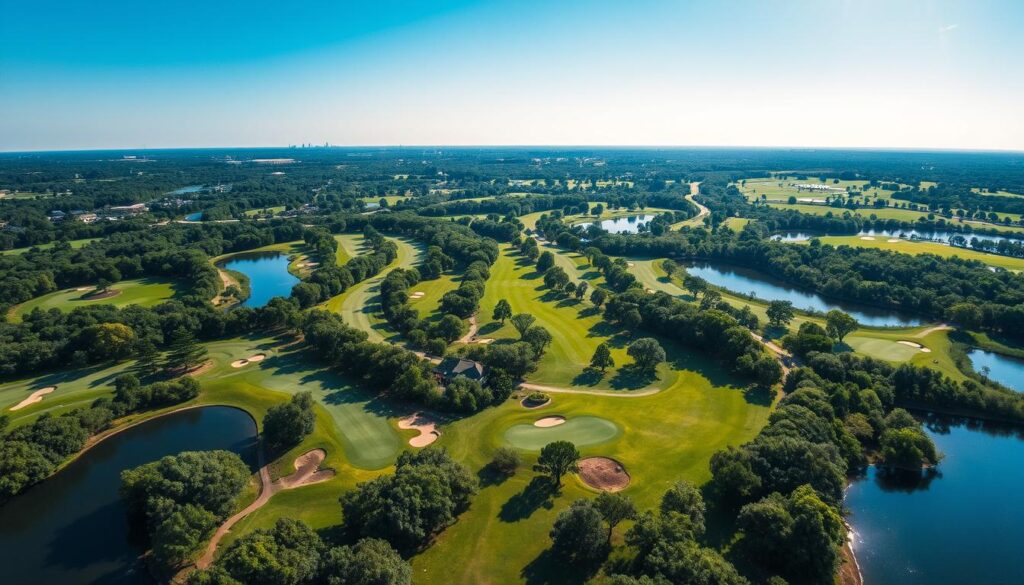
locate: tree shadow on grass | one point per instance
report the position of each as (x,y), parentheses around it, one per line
(772,333)
(759,395)
(589,312)
(591,275)
(489,476)
(588,377)
(537,494)
(548,568)
(631,377)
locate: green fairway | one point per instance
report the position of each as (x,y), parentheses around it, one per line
(75,244)
(264,210)
(349,246)
(145,292)
(905,246)
(359,306)
(581,430)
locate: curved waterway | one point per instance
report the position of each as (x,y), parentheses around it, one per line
(962,524)
(268,275)
(623,225)
(72,528)
(746,281)
(936,236)
(1008,371)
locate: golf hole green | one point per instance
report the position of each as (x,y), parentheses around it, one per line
(581,431)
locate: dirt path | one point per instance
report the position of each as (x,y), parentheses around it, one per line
(307,472)
(471,334)
(785,358)
(226,280)
(702,211)
(940,327)
(556,390)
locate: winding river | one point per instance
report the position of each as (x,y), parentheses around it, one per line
(71,529)
(268,275)
(962,524)
(746,281)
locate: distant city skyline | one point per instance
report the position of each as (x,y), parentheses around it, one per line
(827,74)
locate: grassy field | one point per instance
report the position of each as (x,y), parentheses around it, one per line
(272,210)
(918,247)
(349,246)
(74,244)
(736,224)
(145,292)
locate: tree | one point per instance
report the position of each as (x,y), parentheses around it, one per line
(502,311)
(522,322)
(285,425)
(182,535)
(545,261)
(556,278)
(710,300)
(581,290)
(647,353)
(448,328)
(103,285)
(578,534)
(780,313)
(598,297)
(370,562)
(602,359)
(614,508)
(556,459)
(185,353)
(506,460)
(695,285)
(669,267)
(907,448)
(684,498)
(148,357)
(839,324)
(108,340)
(539,339)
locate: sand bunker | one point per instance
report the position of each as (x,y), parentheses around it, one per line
(249,360)
(915,344)
(33,398)
(549,421)
(893,240)
(869,238)
(307,471)
(417,295)
(84,288)
(603,473)
(629,263)
(426,425)
(484,340)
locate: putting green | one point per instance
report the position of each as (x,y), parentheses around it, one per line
(145,292)
(581,431)
(883,349)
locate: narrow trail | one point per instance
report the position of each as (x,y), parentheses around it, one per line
(785,358)
(471,334)
(939,327)
(307,472)
(612,393)
(702,211)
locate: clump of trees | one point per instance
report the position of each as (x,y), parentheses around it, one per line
(291,552)
(426,493)
(285,425)
(180,499)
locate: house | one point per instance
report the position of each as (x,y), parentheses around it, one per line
(56,215)
(128,209)
(453,367)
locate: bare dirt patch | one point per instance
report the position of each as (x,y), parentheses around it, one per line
(426,425)
(603,473)
(549,421)
(33,398)
(307,471)
(249,360)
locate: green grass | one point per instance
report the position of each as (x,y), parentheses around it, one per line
(736,224)
(75,244)
(349,246)
(904,246)
(582,431)
(272,210)
(145,292)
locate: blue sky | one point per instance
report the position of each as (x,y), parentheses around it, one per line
(117,74)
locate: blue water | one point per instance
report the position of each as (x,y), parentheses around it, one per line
(187,190)
(1006,370)
(72,529)
(764,287)
(962,525)
(939,237)
(197,216)
(268,276)
(623,225)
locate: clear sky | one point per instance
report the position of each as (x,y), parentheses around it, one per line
(78,74)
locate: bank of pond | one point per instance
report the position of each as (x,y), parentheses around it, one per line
(961,523)
(747,281)
(1007,370)
(267,273)
(73,529)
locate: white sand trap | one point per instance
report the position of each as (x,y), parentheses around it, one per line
(915,345)
(84,288)
(629,263)
(650,291)
(869,238)
(33,398)
(249,360)
(483,340)
(418,294)
(893,240)
(307,470)
(549,421)
(426,425)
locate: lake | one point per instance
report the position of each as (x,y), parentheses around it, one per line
(1008,371)
(268,275)
(197,216)
(746,281)
(187,190)
(622,225)
(939,236)
(962,525)
(72,528)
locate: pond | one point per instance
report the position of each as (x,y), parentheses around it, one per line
(1008,371)
(197,216)
(187,190)
(268,275)
(623,225)
(940,237)
(746,281)
(72,528)
(964,524)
